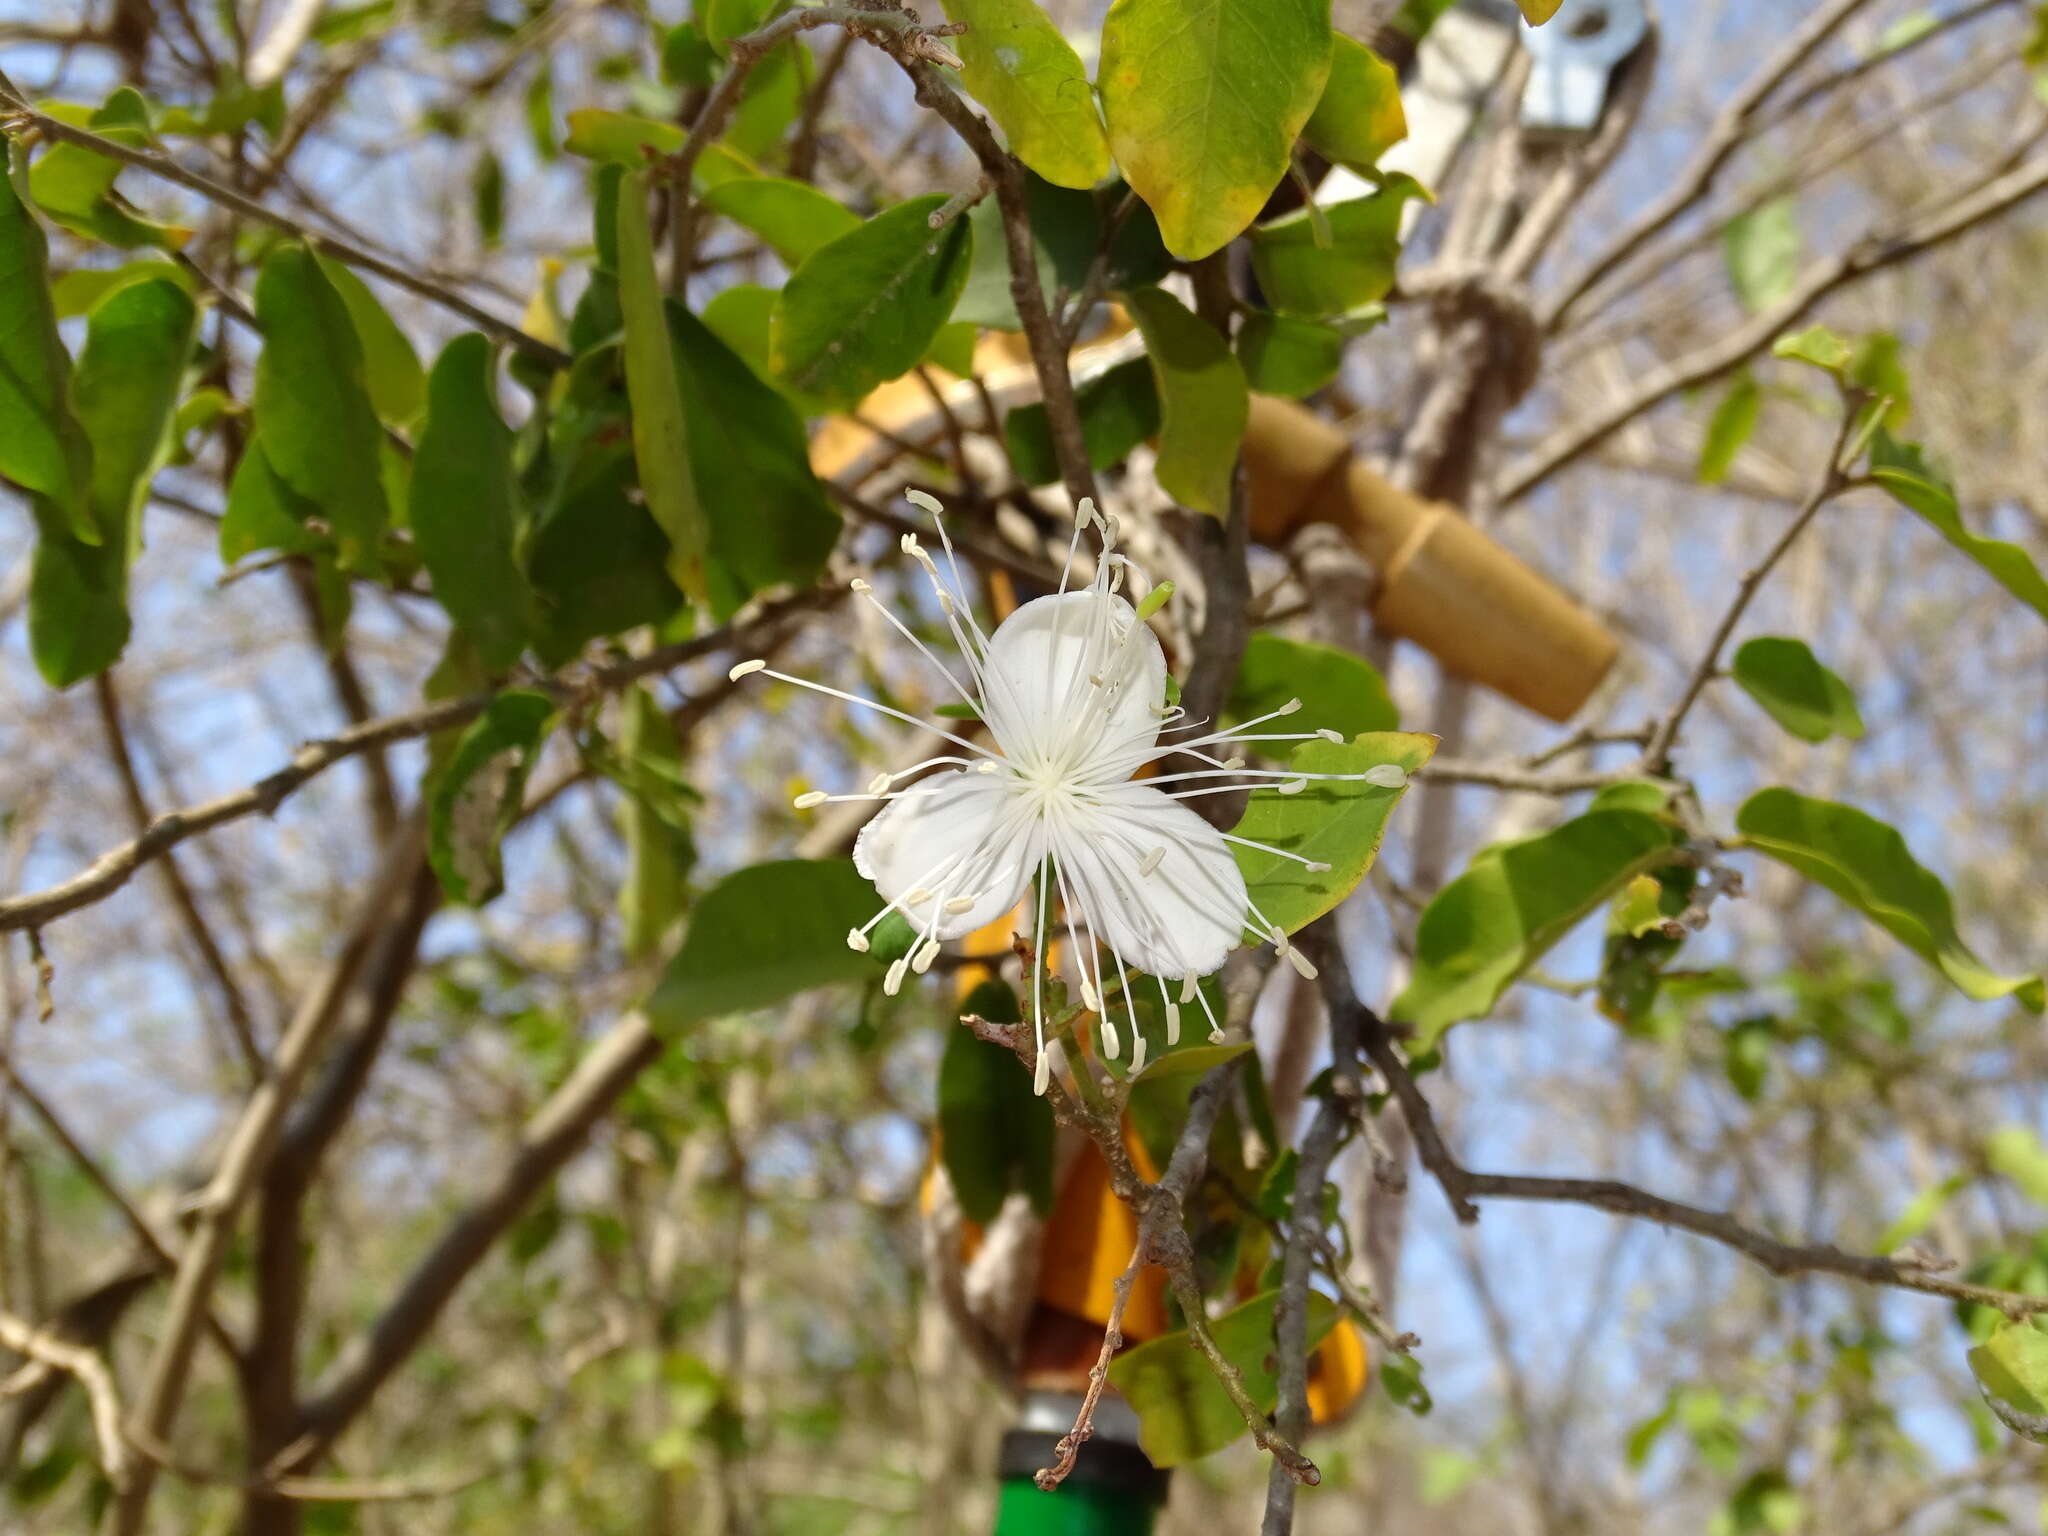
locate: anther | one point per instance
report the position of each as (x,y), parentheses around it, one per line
(985,766)
(1110,1044)
(960,904)
(744,668)
(1084,512)
(809,798)
(1088,998)
(880,783)
(1301,964)
(1137,1055)
(925,500)
(1152,861)
(1290,707)
(922,960)
(1216,1036)
(1292,786)
(893,982)
(859,585)
(1041,1075)
(856,941)
(918,897)
(1387,776)
(1173,1023)
(1334,738)
(1187,989)
(1233,763)
(1315,867)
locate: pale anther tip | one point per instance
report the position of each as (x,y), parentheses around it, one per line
(856,941)
(859,584)
(879,784)
(1215,1037)
(1386,776)
(744,668)
(809,798)
(1292,786)
(922,960)
(1317,868)
(1302,964)
(1334,738)
(1290,707)
(892,983)
(925,500)
(960,904)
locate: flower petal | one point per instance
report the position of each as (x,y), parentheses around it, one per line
(959,835)
(1075,678)
(1157,882)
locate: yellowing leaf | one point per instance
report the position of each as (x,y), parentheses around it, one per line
(1018,65)
(1360,116)
(1205,99)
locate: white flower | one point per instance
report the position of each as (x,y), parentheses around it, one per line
(1073,691)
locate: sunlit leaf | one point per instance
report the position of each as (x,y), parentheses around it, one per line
(1339,691)
(1359,116)
(42,448)
(1018,65)
(1730,427)
(2012,1368)
(1319,273)
(1799,693)
(1902,470)
(1119,409)
(1868,865)
(793,217)
(1762,248)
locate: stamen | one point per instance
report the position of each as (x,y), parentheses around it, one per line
(919,897)
(960,904)
(856,941)
(1386,776)
(1041,1076)
(1137,1055)
(893,982)
(1152,860)
(1110,1044)
(809,798)
(1334,738)
(744,668)
(1292,786)
(879,784)
(858,585)
(1189,985)
(924,501)
(922,961)
(1088,998)
(1300,962)
(1173,1023)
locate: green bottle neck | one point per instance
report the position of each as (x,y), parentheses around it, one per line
(1077,1509)
(1113,1490)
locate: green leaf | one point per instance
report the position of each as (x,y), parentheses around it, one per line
(764,934)
(1183,1411)
(1920,1212)
(659,850)
(1184,1060)
(1203,403)
(1066,232)
(1204,100)
(391,368)
(1359,117)
(465,516)
(1867,864)
(724,20)
(661,445)
(793,217)
(1816,345)
(477,796)
(995,1134)
(79,289)
(265,513)
(1796,690)
(1762,248)
(1285,356)
(743,317)
(2016,1152)
(1730,427)
(42,447)
(620,137)
(1016,63)
(2012,1368)
(1316,273)
(1902,470)
(1338,691)
(1119,409)
(687,58)
(866,308)
(73,184)
(125,392)
(1331,822)
(1512,903)
(770,101)
(313,412)
(770,521)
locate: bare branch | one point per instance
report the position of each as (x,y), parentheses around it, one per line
(92,1374)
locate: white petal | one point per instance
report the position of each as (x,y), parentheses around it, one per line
(959,835)
(1183,917)
(1043,693)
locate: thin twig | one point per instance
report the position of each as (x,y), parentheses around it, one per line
(93,1376)
(1069,1448)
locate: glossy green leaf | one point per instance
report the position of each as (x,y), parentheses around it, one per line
(464,504)
(1303,275)
(313,410)
(124,391)
(1019,65)
(1920,1212)
(770,101)
(1186,1060)
(79,289)
(1183,1411)
(792,217)
(1339,691)
(659,850)
(1730,427)
(2012,1368)
(1119,409)
(1205,99)
(1903,471)
(743,317)
(1285,356)
(42,447)
(866,308)
(265,513)
(1795,690)
(1511,904)
(73,184)
(1067,229)
(724,20)
(391,368)
(762,935)
(1762,248)
(1334,822)
(1868,865)
(769,521)
(476,798)
(1203,403)
(661,441)
(687,58)
(1359,117)
(995,1134)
